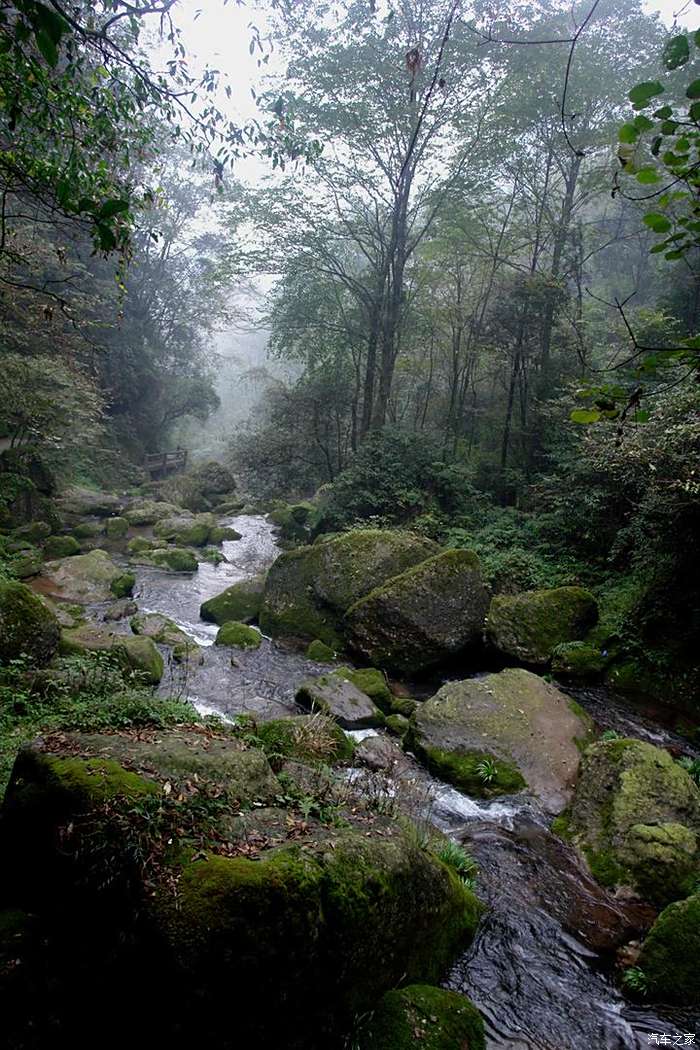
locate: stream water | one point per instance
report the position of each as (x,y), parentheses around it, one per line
(540,966)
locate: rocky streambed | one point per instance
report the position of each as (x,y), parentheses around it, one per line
(541,966)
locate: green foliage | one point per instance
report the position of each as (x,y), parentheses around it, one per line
(487,770)
(635,980)
(692,767)
(457,858)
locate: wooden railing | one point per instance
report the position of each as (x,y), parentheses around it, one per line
(166,462)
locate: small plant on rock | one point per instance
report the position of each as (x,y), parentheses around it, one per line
(636,981)
(487,770)
(457,858)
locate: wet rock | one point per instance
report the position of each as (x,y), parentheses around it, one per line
(119,610)
(239,635)
(239,602)
(176,559)
(425,1016)
(372,682)
(27,626)
(88,503)
(160,628)
(422,617)
(139,544)
(83,578)
(186,530)
(380,753)
(529,626)
(88,530)
(341,700)
(220,533)
(636,817)
(309,589)
(670,953)
(501,733)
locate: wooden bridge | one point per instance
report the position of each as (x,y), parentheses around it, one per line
(161,464)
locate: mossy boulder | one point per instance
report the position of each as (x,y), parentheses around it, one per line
(186,530)
(160,628)
(176,559)
(422,617)
(335,696)
(636,817)
(26,563)
(84,503)
(529,626)
(139,544)
(578,661)
(83,578)
(293,522)
(239,635)
(61,547)
(311,739)
(398,725)
(88,530)
(425,1016)
(132,653)
(238,926)
(122,586)
(371,682)
(220,533)
(33,532)
(502,733)
(319,652)
(148,512)
(309,589)
(27,625)
(116,528)
(241,601)
(670,953)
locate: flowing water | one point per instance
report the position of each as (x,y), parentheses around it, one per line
(540,968)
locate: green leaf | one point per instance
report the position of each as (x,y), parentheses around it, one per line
(641,417)
(628,133)
(663,113)
(643,123)
(656,222)
(46,46)
(669,127)
(676,52)
(642,94)
(647,176)
(584,415)
(693,89)
(43,18)
(695,112)
(112,207)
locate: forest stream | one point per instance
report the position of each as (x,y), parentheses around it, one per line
(540,968)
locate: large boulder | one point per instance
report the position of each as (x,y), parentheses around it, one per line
(190,530)
(670,953)
(82,502)
(83,578)
(241,601)
(27,626)
(308,590)
(61,547)
(335,696)
(160,628)
(133,653)
(176,559)
(636,818)
(426,615)
(502,733)
(529,626)
(424,1016)
(149,511)
(174,865)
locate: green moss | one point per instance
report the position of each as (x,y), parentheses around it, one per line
(61,547)
(372,683)
(425,1016)
(192,532)
(604,866)
(561,826)
(288,607)
(122,586)
(530,626)
(397,724)
(139,544)
(174,558)
(670,953)
(239,635)
(88,530)
(289,738)
(86,781)
(319,652)
(239,602)
(223,532)
(116,528)
(461,769)
(26,624)
(403,705)
(578,660)
(26,563)
(143,656)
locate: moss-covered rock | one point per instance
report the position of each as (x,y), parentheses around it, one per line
(239,635)
(636,817)
(27,625)
(498,734)
(88,530)
(426,615)
(304,738)
(241,601)
(578,661)
(26,563)
(160,628)
(33,532)
(186,530)
(223,532)
(319,652)
(670,953)
(116,528)
(425,1016)
(397,724)
(132,653)
(529,626)
(139,544)
(83,503)
(83,578)
(335,696)
(122,586)
(371,682)
(61,547)
(148,512)
(309,589)
(176,559)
